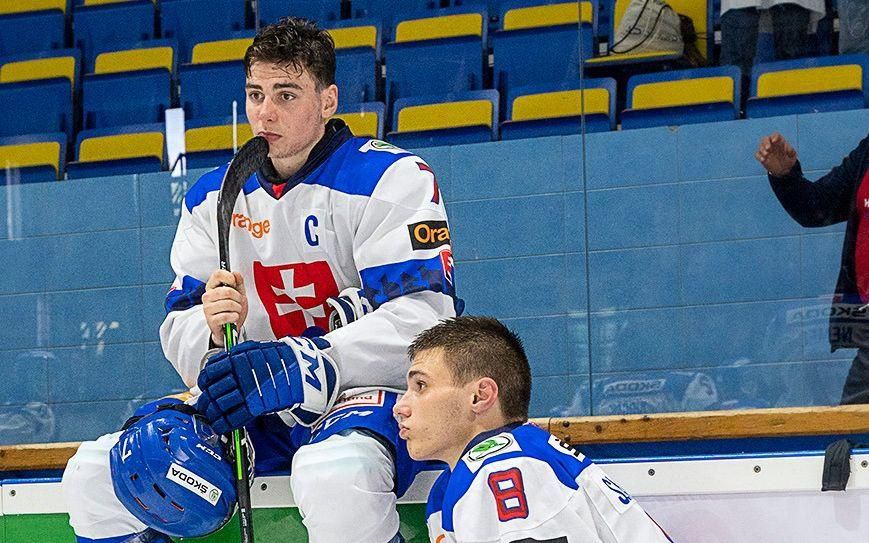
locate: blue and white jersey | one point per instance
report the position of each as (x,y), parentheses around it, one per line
(521,484)
(367,215)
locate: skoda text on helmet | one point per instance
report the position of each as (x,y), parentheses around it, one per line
(169,470)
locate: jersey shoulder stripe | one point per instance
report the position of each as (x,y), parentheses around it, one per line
(516,446)
(357,166)
(185,295)
(435,501)
(210,182)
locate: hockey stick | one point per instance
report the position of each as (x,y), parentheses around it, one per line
(247,161)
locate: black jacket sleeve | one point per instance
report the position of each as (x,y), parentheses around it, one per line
(826,201)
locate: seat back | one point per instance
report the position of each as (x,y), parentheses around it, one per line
(36,107)
(193,21)
(112,26)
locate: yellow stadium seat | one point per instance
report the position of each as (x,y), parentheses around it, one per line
(134,60)
(354,36)
(445,26)
(9,7)
(40,68)
(810,80)
(213,138)
(445,115)
(23,155)
(548,15)
(121,146)
(220,51)
(361,123)
(684,92)
(567,103)
(102,2)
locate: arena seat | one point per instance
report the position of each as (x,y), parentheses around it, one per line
(357,50)
(222,50)
(364,120)
(318,10)
(386,12)
(28,32)
(193,21)
(698,11)
(538,42)
(809,85)
(118,151)
(209,142)
(452,119)
(436,52)
(556,110)
(680,97)
(144,74)
(104,26)
(44,65)
(36,107)
(207,90)
(32,159)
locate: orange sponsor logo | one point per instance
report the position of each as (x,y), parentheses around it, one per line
(256,229)
(441,538)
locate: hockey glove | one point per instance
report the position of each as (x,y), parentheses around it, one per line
(255,378)
(349,306)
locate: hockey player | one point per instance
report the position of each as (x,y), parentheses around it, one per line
(508,481)
(330,216)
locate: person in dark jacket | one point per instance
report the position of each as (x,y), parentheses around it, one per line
(841,195)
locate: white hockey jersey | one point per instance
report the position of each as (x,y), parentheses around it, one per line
(520,484)
(363,214)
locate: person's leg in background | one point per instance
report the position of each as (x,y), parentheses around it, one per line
(739,28)
(853,26)
(856,389)
(790,30)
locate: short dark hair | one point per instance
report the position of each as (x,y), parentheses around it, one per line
(295,42)
(476,347)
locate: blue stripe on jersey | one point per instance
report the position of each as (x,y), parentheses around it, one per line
(383,283)
(187,296)
(436,495)
(210,182)
(351,171)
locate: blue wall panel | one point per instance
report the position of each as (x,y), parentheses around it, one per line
(820,261)
(825,139)
(21,320)
(555,345)
(722,150)
(89,420)
(88,206)
(634,278)
(725,209)
(156,246)
(559,395)
(73,261)
(83,374)
(26,376)
(162,195)
(89,317)
(633,217)
(735,271)
(529,225)
(640,339)
(161,377)
(632,157)
(440,160)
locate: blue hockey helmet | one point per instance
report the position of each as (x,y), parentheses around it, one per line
(171,472)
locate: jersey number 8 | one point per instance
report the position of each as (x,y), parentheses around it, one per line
(509,492)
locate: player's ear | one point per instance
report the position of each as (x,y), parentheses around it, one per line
(329,100)
(485,395)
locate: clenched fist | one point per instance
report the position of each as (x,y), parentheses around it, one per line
(776,155)
(224,302)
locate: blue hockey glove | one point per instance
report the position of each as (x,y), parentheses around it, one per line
(349,306)
(255,378)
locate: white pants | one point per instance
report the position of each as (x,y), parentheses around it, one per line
(342,485)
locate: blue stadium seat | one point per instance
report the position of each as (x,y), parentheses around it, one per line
(31,32)
(318,10)
(681,97)
(452,119)
(193,21)
(207,90)
(118,151)
(209,142)
(539,42)
(809,85)
(388,11)
(436,52)
(32,159)
(36,107)
(233,48)
(357,50)
(145,74)
(364,120)
(557,110)
(112,26)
